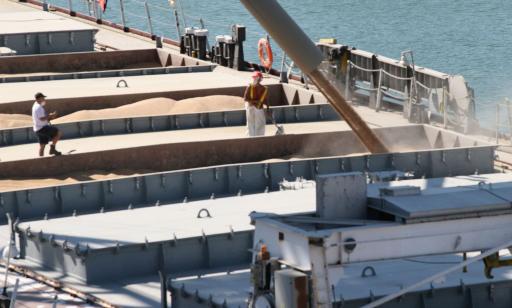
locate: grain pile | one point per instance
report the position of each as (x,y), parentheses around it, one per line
(159,106)
(23,183)
(14,120)
(148,107)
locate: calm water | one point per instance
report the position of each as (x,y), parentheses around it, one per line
(470,37)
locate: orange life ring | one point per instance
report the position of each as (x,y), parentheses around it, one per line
(264,49)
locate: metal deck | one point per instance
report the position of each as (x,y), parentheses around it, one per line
(462,289)
(123,238)
(109,246)
(44,32)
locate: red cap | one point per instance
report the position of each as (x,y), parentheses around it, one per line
(257,74)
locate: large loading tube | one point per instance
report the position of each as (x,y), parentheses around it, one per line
(308,57)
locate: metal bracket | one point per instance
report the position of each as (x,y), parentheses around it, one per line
(162,180)
(123,82)
(201,211)
(365,273)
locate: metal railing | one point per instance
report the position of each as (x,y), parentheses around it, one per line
(503,131)
(379,89)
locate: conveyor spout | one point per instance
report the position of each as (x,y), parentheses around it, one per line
(306,55)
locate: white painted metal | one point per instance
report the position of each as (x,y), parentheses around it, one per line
(402,241)
(341,195)
(326,252)
(438,275)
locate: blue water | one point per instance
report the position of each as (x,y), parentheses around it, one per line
(471,37)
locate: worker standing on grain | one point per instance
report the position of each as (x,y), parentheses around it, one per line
(255,98)
(44,130)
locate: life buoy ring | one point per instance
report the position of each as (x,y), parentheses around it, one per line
(265,53)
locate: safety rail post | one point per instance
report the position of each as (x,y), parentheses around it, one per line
(283,76)
(94,10)
(150,25)
(348,92)
(123,17)
(89,8)
(445,107)
(372,100)
(379,92)
(497,124)
(177,24)
(14,295)
(11,244)
(97,13)
(509,117)
(70,6)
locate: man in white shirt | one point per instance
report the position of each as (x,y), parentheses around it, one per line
(42,127)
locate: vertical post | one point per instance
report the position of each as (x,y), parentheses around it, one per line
(445,107)
(497,124)
(14,293)
(177,24)
(348,93)
(182,14)
(372,99)
(509,117)
(123,18)
(379,91)
(283,76)
(89,8)
(97,12)
(95,9)
(45,6)
(70,6)
(163,289)
(150,25)
(306,83)
(8,263)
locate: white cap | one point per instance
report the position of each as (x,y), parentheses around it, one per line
(228,39)
(220,39)
(190,30)
(201,32)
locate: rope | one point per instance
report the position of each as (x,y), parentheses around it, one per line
(396,77)
(422,85)
(363,69)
